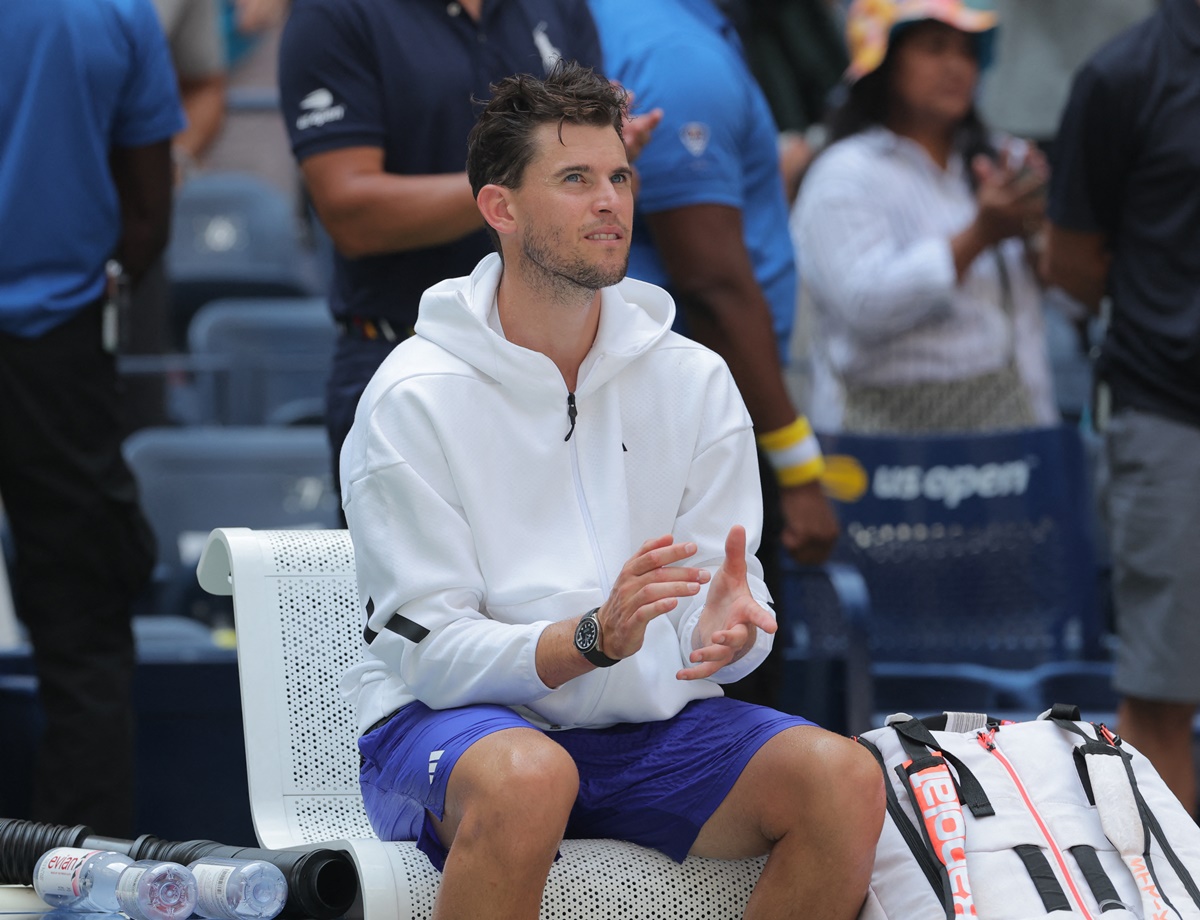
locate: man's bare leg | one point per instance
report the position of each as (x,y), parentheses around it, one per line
(813,800)
(1163,732)
(507,804)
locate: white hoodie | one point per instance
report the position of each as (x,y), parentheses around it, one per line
(477,522)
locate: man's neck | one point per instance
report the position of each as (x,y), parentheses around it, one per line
(473,8)
(559,322)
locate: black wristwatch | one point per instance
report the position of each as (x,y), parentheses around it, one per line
(587,640)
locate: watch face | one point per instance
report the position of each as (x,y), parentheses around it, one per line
(586,635)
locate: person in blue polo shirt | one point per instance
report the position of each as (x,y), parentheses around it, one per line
(712,228)
(377,97)
(85,178)
(1125,221)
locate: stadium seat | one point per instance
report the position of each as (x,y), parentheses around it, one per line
(194,479)
(232,235)
(299,626)
(977,555)
(261,362)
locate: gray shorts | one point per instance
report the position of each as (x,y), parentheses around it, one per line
(1152,507)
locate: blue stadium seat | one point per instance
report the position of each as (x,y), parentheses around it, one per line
(192,480)
(977,555)
(233,235)
(261,362)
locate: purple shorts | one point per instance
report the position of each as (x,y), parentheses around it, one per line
(652,783)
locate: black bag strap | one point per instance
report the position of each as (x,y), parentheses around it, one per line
(1103,890)
(1044,880)
(919,743)
(930,866)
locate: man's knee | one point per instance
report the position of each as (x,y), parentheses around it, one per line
(515,784)
(840,784)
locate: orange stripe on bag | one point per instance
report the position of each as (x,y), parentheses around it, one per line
(945,829)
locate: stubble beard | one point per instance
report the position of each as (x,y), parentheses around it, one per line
(568,279)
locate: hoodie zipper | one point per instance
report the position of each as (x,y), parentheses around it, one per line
(987,741)
(572,412)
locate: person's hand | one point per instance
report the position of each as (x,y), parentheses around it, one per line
(810,526)
(1011,195)
(636,130)
(729,624)
(649,585)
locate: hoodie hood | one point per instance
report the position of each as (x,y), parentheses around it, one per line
(634,316)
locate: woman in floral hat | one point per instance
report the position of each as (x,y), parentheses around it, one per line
(912,230)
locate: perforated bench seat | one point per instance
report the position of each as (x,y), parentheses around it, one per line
(298,624)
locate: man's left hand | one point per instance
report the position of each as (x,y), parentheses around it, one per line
(810,526)
(732,617)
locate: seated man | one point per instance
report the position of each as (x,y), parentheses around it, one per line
(540,663)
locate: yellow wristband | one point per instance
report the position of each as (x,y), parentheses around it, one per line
(794,453)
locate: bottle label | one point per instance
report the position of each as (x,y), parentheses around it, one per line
(127,889)
(211,897)
(58,874)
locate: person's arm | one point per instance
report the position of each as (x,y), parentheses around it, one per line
(204,105)
(143,178)
(703,251)
(1077,262)
(369,211)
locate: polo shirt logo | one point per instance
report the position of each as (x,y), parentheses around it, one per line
(694,136)
(545,47)
(319,110)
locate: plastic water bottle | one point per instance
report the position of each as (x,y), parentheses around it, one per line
(76,879)
(238,889)
(150,890)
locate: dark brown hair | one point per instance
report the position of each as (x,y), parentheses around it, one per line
(500,144)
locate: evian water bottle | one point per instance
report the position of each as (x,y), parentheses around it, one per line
(97,880)
(238,889)
(150,890)
(79,879)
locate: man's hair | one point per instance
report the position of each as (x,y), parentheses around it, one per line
(500,144)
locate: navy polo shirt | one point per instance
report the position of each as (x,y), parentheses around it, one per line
(400,75)
(1127,164)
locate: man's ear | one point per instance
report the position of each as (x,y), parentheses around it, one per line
(494,204)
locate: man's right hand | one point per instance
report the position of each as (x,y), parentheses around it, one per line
(649,585)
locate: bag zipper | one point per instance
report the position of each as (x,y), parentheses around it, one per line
(986,740)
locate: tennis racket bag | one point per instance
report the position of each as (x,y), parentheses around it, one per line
(1053,817)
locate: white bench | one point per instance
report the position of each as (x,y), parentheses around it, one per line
(299,626)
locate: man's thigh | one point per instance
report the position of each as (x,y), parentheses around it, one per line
(1153,510)
(658,783)
(407,762)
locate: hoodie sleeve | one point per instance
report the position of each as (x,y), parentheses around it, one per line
(723,489)
(421,581)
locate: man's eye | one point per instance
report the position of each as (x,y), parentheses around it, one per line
(574,177)
(618,178)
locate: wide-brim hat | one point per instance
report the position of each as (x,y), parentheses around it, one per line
(870,25)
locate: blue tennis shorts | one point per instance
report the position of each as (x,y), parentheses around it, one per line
(651,783)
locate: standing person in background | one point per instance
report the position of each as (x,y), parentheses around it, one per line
(193,30)
(85,177)
(193,34)
(712,229)
(911,232)
(377,97)
(1125,221)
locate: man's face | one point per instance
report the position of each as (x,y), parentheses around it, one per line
(574,208)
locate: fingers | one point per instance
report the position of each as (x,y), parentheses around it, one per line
(659,552)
